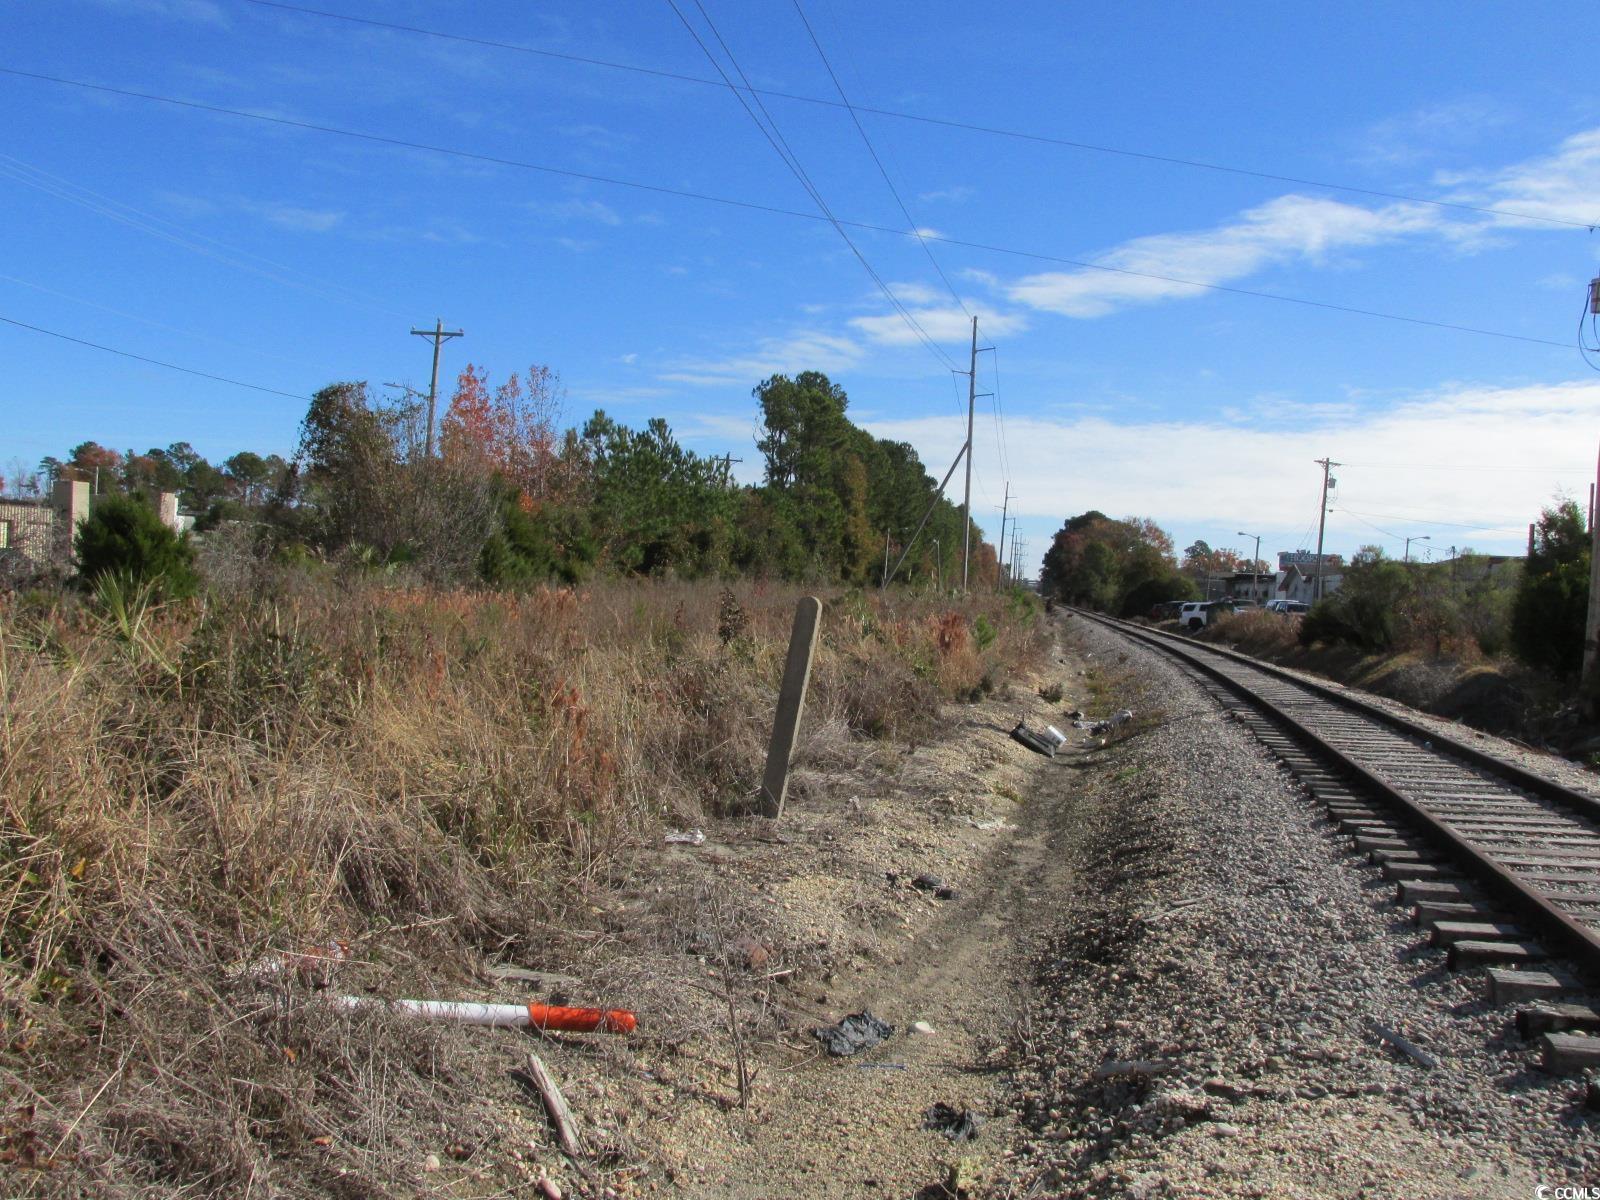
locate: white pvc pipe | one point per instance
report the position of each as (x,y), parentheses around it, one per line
(459,1012)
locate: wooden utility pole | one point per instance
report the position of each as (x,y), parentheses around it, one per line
(1322,524)
(1591,626)
(438,335)
(966,499)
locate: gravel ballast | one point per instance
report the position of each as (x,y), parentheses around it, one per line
(1211,991)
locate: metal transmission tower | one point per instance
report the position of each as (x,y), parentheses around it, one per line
(438,335)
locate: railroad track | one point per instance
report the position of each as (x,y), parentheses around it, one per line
(1500,864)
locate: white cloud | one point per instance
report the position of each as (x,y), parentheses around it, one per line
(953,195)
(576,209)
(943,324)
(630,359)
(804,350)
(1425,133)
(205,11)
(1287,229)
(1469,456)
(1564,185)
(290,216)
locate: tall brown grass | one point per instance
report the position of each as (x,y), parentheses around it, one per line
(435,777)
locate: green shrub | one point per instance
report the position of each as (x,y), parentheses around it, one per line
(1365,612)
(983,632)
(126,538)
(1548,615)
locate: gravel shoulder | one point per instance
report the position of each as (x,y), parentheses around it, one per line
(1204,1010)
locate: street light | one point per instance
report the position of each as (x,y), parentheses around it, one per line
(1255,566)
(1426,537)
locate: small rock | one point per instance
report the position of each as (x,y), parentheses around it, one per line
(431,1163)
(1222,1129)
(921,1027)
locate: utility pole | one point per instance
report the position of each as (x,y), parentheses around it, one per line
(966,500)
(1322,521)
(438,335)
(1255,567)
(1591,625)
(1000,567)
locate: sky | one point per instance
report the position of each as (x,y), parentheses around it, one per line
(1171,339)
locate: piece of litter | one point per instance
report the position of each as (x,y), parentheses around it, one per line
(684,837)
(1033,741)
(859,1031)
(921,1027)
(932,883)
(959,1125)
(1403,1044)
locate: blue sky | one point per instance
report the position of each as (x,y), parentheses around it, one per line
(289,258)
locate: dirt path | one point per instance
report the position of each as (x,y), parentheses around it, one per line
(855,1125)
(834,900)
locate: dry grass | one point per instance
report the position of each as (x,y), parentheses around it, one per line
(439,778)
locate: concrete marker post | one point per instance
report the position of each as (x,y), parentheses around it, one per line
(791,702)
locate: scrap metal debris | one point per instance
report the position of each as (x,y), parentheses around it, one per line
(959,1125)
(1107,725)
(932,883)
(857,1032)
(1033,741)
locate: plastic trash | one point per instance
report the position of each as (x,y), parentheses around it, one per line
(959,1125)
(857,1032)
(932,883)
(1033,741)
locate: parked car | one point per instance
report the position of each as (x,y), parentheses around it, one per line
(1167,610)
(1197,614)
(1287,606)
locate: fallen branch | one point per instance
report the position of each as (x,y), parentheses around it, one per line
(1407,1047)
(555,1104)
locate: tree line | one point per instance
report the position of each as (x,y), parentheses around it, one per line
(510,497)
(1534,608)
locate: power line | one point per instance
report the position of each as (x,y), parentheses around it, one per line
(154,362)
(911,222)
(119,211)
(1426,521)
(999,413)
(472,156)
(948,123)
(179,329)
(781,146)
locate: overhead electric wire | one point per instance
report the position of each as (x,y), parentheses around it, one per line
(1427,521)
(154,362)
(119,210)
(949,123)
(472,156)
(999,414)
(911,222)
(780,145)
(178,329)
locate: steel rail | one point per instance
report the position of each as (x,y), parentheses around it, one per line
(1560,929)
